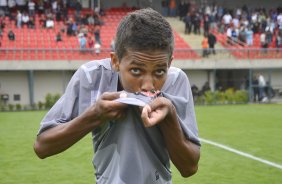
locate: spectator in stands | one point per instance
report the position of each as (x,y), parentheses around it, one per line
(263,42)
(31,8)
(42,20)
(47,6)
(229,35)
(21,5)
(164,5)
(40,7)
(11,35)
(278,40)
(213,21)
(97,48)
(90,42)
(234,35)
(97,30)
(205,46)
(54,5)
(49,14)
(182,9)
(25,19)
(83,20)
(31,22)
(78,8)
(19,19)
(50,24)
(97,20)
(83,29)
(242,40)
(74,28)
(172,8)
(82,42)
(59,37)
(212,41)
(268,37)
(206,24)
(249,36)
(279,21)
(64,10)
(69,29)
(188,23)
(11,6)
(3,5)
(139,66)
(2,23)
(90,20)
(236,22)
(58,15)
(227,19)
(196,22)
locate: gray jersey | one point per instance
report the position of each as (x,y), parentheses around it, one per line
(126,151)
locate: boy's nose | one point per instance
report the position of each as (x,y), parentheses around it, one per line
(147,84)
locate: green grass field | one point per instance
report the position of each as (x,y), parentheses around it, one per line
(254,129)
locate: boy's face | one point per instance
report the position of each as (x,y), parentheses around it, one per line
(142,71)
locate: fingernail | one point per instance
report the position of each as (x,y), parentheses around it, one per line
(123,95)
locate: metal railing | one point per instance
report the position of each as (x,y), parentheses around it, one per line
(7,54)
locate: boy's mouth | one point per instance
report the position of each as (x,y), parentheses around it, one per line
(150,93)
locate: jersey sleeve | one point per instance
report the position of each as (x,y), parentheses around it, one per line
(178,90)
(66,108)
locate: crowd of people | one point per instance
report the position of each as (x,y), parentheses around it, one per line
(36,14)
(239,24)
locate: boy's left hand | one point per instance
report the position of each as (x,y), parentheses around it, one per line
(156,111)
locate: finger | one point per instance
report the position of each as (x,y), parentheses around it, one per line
(158,103)
(145,115)
(112,95)
(116,105)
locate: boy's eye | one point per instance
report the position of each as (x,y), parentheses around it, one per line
(135,71)
(160,72)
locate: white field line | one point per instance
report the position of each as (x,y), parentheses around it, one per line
(241,153)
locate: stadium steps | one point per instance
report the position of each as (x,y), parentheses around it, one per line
(194,41)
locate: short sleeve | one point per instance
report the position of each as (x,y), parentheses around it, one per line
(178,90)
(66,108)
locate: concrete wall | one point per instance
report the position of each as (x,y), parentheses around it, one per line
(197,77)
(14,83)
(50,82)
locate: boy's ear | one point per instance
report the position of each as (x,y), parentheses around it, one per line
(170,61)
(114,61)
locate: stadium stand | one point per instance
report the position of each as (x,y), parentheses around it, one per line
(39,43)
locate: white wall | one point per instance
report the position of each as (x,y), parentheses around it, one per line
(13,83)
(50,82)
(197,77)
(16,82)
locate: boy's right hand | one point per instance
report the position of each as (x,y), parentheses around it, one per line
(105,108)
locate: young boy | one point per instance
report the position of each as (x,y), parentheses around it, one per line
(132,145)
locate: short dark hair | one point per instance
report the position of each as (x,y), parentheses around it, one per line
(144,30)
